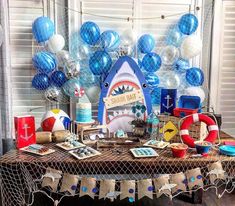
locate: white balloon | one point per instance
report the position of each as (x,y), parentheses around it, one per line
(128,37)
(171,80)
(196,91)
(191,47)
(56,43)
(93,94)
(169,55)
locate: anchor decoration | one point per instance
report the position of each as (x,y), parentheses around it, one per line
(25,131)
(168,100)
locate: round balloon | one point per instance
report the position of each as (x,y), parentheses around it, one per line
(58,78)
(80,51)
(43,28)
(156,96)
(152,80)
(71,69)
(87,78)
(151,62)
(72,88)
(171,80)
(146,43)
(62,57)
(195,76)
(191,47)
(174,37)
(109,40)
(40,81)
(100,62)
(181,65)
(44,62)
(169,55)
(188,24)
(56,43)
(93,94)
(195,91)
(90,32)
(53,94)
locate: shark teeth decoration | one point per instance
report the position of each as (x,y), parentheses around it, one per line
(120,113)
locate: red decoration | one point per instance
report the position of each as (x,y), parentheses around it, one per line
(212,127)
(24,131)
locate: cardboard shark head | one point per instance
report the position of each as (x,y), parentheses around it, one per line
(125,76)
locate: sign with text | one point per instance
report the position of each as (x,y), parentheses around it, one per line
(123,99)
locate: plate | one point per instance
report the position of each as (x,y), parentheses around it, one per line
(156,144)
(60,145)
(75,154)
(144,152)
(26,149)
(227,150)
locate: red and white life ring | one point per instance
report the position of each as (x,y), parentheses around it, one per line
(184,132)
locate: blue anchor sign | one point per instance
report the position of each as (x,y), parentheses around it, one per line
(168,100)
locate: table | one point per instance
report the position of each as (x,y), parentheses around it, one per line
(19,170)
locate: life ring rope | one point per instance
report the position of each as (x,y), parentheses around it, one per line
(202,117)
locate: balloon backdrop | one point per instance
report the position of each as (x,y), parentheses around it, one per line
(195,76)
(43,28)
(53,94)
(109,40)
(72,88)
(169,55)
(100,62)
(181,65)
(44,62)
(174,37)
(196,91)
(171,80)
(191,47)
(152,80)
(56,43)
(90,32)
(40,81)
(93,94)
(156,96)
(188,24)
(58,78)
(151,62)
(146,43)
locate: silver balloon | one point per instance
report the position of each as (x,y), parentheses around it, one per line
(125,50)
(53,94)
(62,57)
(71,69)
(171,80)
(169,55)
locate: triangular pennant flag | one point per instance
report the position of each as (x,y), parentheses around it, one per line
(145,188)
(88,187)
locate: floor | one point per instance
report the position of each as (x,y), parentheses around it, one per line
(209,199)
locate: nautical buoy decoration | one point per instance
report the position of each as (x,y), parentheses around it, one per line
(211,125)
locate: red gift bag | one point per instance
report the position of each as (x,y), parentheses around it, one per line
(24,131)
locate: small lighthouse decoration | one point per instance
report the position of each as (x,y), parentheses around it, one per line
(24,131)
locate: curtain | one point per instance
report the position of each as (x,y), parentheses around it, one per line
(6,138)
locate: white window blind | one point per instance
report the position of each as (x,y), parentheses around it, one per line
(223,81)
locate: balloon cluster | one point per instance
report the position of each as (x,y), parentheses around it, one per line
(171,69)
(57,72)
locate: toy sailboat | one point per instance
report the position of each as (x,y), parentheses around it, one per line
(124,78)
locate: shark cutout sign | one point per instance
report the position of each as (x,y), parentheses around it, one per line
(124,87)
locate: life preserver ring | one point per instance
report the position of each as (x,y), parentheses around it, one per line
(184,132)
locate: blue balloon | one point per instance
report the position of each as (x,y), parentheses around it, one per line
(188,24)
(90,32)
(146,43)
(43,28)
(100,62)
(195,76)
(44,62)
(174,37)
(72,88)
(156,96)
(41,81)
(87,78)
(58,78)
(181,65)
(151,62)
(109,40)
(152,80)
